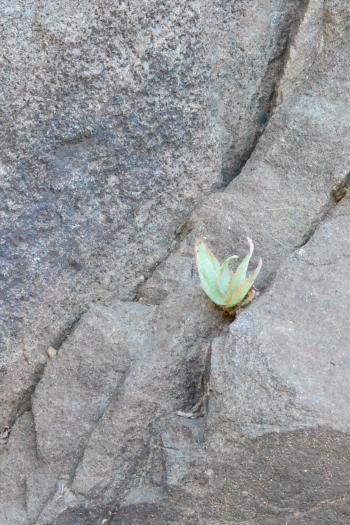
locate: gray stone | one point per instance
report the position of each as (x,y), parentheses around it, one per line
(116,122)
(17,460)
(287,358)
(268,442)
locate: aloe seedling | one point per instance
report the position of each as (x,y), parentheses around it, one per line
(225,288)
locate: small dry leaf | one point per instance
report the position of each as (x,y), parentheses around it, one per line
(51,352)
(188,415)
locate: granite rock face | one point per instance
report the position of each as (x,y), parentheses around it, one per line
(157,409)
(116,120)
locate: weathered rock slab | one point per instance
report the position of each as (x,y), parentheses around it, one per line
(115,122)
(286,359)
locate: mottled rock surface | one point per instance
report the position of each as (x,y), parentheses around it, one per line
(116,120)
(95,435)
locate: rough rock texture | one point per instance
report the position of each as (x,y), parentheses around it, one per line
(98,438)
(115,122)
(287,358)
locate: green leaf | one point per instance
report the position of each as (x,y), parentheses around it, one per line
(241,272)
(208,269)
(240,293)
(225,275)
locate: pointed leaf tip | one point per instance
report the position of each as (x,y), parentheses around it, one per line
(251,246)
(241,272)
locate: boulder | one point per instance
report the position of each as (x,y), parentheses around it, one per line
(116,121)
(156,408)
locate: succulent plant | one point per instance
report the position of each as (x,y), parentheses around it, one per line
(225,288)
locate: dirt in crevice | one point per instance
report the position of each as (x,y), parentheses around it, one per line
(24,401)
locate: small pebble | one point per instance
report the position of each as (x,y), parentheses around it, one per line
(51,352)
